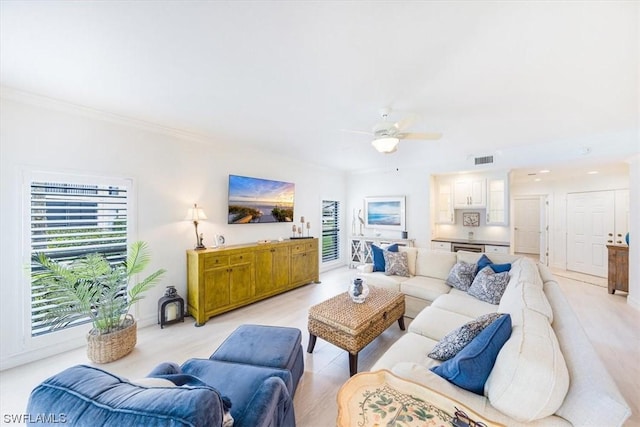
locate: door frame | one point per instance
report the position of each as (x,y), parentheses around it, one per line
(543,203)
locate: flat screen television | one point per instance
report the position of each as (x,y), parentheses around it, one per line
(256,200)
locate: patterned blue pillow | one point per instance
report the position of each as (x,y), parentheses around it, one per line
(456,340)
(396,263)
(489,286)
(461,275)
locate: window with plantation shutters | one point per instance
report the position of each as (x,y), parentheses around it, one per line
(330,230)
(69,220)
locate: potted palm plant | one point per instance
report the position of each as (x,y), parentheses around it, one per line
(90,287)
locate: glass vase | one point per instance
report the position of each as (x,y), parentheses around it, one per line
(358,290)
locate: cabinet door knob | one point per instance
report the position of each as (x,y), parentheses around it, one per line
(610,234)
(609,241)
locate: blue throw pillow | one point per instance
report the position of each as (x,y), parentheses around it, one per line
(483,262)
(500,268)
(471,367)
(378,256)
(497,268)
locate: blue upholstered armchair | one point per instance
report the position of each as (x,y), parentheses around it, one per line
(88,396)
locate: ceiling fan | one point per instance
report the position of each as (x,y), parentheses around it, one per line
(387,134)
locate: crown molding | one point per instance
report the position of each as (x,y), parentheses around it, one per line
(17,95)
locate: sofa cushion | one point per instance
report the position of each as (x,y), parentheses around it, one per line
(435,323)
(463,303)
(412,253)
(530,378)
(378,257)
(525,269)
(408,347)
(471,367)
(524,294)
(381,280)
(461,275)
(489,286)
(423,287)
(396,264)
(435,264)
(457,339)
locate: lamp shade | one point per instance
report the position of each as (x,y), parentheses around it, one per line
(195,214)
(386,145)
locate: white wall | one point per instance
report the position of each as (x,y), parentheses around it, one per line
(557,191)
(412,183)
(634,232)
(170,171)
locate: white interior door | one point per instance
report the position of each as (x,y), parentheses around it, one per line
(590,227)
(527,225)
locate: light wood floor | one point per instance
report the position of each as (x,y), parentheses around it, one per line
(612,326)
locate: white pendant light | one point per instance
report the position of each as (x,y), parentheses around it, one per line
(385,145)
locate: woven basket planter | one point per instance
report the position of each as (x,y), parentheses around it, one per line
(105,348)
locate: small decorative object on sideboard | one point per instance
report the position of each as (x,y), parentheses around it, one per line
(298,231)
(358,290)
(170,307)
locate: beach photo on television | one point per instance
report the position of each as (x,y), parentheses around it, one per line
(256,200)
(384,213)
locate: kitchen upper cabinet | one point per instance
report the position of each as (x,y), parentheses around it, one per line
(470,192)
(497,201)
(444,202)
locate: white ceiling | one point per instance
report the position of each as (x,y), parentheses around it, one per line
(536,84)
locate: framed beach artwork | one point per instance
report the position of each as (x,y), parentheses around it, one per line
(384,213)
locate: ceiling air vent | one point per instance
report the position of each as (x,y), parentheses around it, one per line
(483,160)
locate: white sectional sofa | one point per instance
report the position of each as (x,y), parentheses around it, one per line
(547,372)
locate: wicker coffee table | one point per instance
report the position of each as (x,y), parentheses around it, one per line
(352,326)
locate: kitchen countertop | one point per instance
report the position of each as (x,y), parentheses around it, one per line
(474,241)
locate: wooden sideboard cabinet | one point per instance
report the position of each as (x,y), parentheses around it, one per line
(304,262)
(618,268)
(223,279)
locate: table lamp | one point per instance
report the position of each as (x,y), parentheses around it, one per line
(196,214)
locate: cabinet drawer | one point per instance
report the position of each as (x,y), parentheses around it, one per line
(303,247)
(496,249)
(240,258)
(213,260)
(441,246)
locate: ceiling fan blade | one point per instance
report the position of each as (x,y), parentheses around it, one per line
(406,122)
(420,135)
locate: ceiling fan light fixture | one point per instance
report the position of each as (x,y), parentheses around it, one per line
(385,145)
